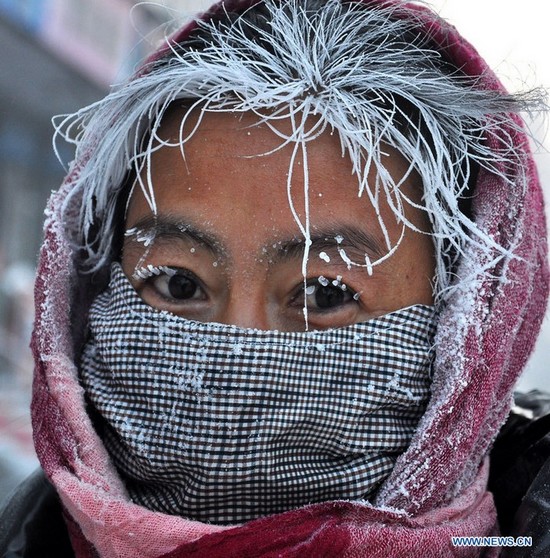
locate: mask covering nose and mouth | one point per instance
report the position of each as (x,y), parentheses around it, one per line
(223,424)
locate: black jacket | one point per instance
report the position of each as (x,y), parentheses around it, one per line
(31,522)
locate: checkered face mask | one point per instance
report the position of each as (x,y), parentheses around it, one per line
(223,424)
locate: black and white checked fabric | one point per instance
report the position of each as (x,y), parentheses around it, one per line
(223,424)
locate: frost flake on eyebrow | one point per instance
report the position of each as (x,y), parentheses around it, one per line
(324,256)
(368,263)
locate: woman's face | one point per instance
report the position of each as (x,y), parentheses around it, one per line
(225,247)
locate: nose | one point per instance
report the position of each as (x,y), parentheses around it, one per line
(247,312)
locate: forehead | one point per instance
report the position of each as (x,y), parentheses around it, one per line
(235,165)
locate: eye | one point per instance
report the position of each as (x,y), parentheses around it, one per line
(174,285)
(177,287)
(325,294)
(327,297)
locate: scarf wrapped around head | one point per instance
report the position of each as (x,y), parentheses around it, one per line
(437,489)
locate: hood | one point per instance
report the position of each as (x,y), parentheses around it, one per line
(485,334)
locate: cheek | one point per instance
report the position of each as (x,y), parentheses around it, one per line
(418,268)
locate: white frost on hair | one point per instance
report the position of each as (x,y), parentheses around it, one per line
(349,66)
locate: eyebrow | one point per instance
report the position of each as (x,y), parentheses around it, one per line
(334,237)
(169,227)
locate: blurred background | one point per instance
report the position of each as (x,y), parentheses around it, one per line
(59,55)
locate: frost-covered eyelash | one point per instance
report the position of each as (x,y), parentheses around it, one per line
(324,282)
(153,271)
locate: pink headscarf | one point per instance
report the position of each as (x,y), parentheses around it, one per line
(438,487)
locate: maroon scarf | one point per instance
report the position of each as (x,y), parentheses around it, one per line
(438,486)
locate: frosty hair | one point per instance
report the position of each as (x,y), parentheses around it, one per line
(366,71)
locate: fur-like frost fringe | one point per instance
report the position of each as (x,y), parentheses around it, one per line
(363,71)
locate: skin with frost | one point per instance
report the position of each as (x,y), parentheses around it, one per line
(227,248)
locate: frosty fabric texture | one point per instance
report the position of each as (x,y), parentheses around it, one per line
(437,488)
(225,424)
